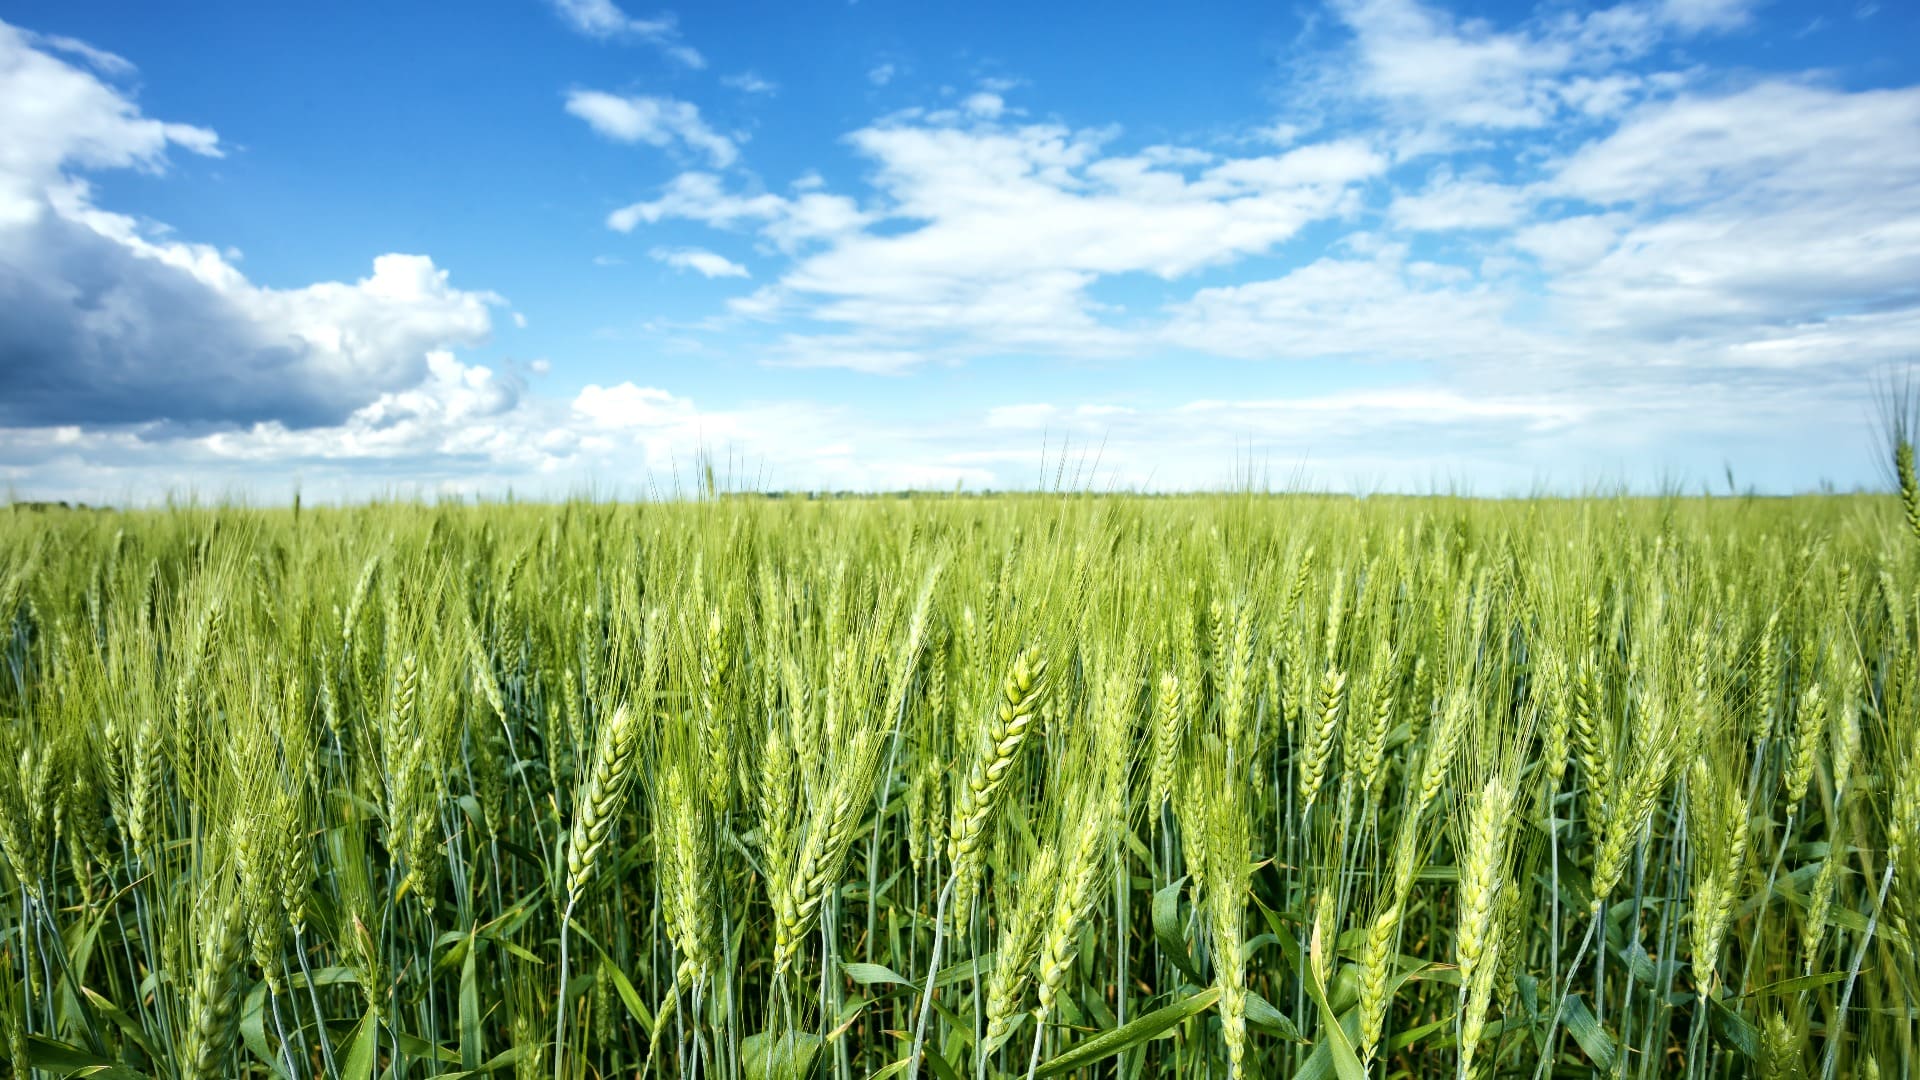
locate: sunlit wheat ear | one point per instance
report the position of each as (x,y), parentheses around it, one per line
(294,855)
(1909,484)
(925,790)
(1558,714)
(979,794)
(213,1009)
(1376,971)
(1370,740)
(1020,942)
(1628,816)
(1079,886)
(1216,827)
(1441,750)
(825,846)
(1483,872)
(597,806)
(1717,823)
(1592,745)
(1169,724)
(715,666)
(776,795)
(1766,678)
(1317,749)
(1809,730)
(1336,613)
(1479,994)
(683,845)
(255,839)
(1233,659)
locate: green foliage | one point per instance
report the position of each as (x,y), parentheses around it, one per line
(1210,786)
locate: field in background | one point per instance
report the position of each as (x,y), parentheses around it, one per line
(1186,787)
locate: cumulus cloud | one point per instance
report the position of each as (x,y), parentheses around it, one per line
(109,320)
(603,19)
(657,121)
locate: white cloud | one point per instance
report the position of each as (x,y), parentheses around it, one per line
(1571,242)
(1036,415)
(748,82)
(1430,67)
(985,105)
(657,121)
(697,197)
(58,116)
(628,406)
(112,65)
(881,74)
(1417,435)
(1706,14)
(790,222)
(994,234)
(104,312)
(1417,57)
(1357,411)
(1375,310)
(1775,206)
(705,263)
(605,20)
(1450,203)
(1039,416)
(1774,139)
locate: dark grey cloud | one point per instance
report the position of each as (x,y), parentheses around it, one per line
(92,332)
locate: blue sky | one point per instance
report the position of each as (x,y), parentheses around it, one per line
(551,246)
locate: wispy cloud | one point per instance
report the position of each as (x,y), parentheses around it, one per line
(603,19)
(748,82)
(994,234)
(656,121)
(700,261)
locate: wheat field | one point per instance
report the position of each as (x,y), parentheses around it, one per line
(1234,785)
